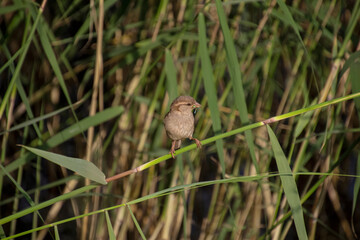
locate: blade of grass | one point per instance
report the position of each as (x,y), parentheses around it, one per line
(160,193)
(80,166)
(11,8)
(355,85)
(211,93)
(56,231)
(170,70)
(290,20)
(76,192)
(68,133)
(235,76)
(355,195)
(18,187)
(38,119)
(289,185)
(48,50)
(16,74)
(109,226)
(47,203)
(136,223)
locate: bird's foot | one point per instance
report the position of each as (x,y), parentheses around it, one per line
(172,154)
(198,143)
(172,150)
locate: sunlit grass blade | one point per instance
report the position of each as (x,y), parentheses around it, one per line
(211,93)
(235,76)
(289,185)
(109,226)
(80,166)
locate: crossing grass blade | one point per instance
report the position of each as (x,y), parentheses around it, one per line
(289,185)
(109,226)
(56,231)
(136,223)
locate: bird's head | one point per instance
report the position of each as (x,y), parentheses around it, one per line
(184,104)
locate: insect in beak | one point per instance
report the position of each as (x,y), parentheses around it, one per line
(195,107)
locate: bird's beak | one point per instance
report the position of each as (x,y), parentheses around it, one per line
(196,105)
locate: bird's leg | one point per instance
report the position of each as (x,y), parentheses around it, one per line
(198,143)
(172,150)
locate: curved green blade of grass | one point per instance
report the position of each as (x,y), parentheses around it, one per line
(289,185)
(109,226)
(68,133)
(235,76)
(211,93)
(80,166)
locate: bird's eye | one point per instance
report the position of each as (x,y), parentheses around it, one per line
(189,104)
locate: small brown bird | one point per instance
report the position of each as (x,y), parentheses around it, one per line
(179,122)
